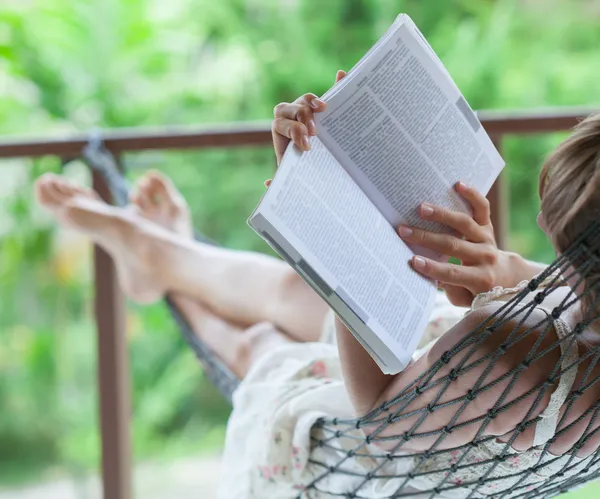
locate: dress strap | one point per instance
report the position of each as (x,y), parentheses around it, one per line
(545,429)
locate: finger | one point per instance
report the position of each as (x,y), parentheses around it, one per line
(446,273)
(312,101)
(300,110)
(479,203)
(268,182)
(460,222)
(293,130)
(340,75)
(446,244)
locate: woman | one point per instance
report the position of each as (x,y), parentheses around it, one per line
(265,323)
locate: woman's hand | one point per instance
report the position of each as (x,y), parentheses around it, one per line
(295,121)
(483,264)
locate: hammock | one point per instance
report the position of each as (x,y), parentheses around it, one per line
(545,476)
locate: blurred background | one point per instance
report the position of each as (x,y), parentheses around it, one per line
(71,65)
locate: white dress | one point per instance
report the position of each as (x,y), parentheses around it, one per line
(268,442)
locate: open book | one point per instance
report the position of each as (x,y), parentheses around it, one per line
(397,132)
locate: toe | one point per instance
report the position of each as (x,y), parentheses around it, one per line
(164,187)
(52,190)
(141,197)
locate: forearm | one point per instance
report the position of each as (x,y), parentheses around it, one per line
(362,376)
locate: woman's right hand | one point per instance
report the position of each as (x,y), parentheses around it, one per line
(295,121)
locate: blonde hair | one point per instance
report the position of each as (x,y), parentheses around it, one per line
(570,194)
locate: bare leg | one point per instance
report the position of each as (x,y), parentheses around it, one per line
(239,348)
(241,287)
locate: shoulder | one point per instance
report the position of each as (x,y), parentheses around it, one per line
(492,328)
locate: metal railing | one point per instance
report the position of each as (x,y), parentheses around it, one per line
(113,371)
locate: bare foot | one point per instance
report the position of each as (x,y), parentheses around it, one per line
(129,238)
(159,200)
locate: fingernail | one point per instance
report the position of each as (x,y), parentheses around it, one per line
(462,185)
(418,262)
(306,142)
(404,231)
(316,103)
(267,183)
(312,127)
(426,210)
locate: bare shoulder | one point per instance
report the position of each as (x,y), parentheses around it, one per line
(478,366)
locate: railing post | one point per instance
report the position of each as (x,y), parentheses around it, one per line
(498,197)
(113,373)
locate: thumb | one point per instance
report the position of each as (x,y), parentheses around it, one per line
(457,295)
(340,74)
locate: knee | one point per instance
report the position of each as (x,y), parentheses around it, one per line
(253,343)
(291,288)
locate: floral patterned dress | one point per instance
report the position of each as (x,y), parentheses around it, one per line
(268,450)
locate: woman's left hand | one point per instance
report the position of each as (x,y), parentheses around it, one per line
(483,264)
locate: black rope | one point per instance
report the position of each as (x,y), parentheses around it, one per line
(574,264)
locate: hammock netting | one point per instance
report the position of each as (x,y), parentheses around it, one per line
(360,451)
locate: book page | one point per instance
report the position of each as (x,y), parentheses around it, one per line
(321,222)
(404,132)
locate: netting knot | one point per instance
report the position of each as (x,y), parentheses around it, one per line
(338,434)
(320,443)
(427,454)
(576,393)
(471,395)
(503,347)
(350,495)
(334,421)
(350,453)
(473,444)
(454,468)
(533,284)
(526,364)
(436,490)
(556,313)
(430,409)
(539,298)
(369,475)
(389,456)
(452,375)
(368,440)
(331,469)
(447,429)
(406,436)
(549,382)
(578,328)
(500,459)
(319,423)
(560,473)
(418,390)
(446,356)
(481,481)
(390,419)
(357,425)
(492,413)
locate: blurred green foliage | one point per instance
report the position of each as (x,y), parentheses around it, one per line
(75,65)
